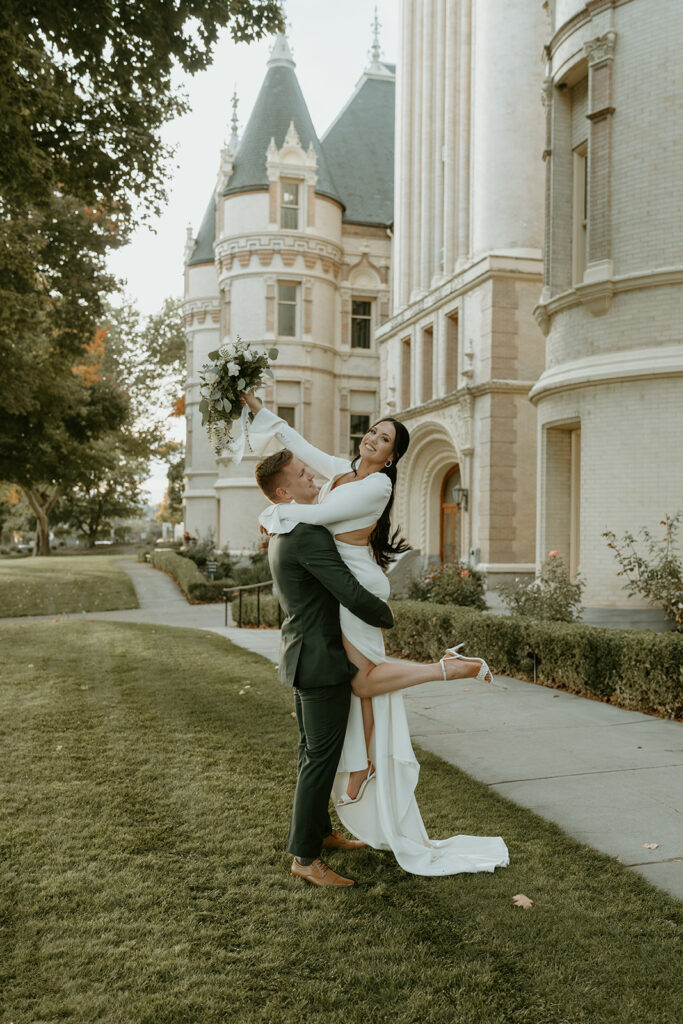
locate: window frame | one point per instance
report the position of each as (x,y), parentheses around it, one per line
(285,302)
(363,318)
(355,436)
(579,212)
(289,207)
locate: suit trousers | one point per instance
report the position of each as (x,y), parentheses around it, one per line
(322,713)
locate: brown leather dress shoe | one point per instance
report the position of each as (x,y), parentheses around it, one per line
(337,841)
(320,873)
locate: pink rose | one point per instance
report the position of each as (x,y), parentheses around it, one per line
(553,554)
(464,573)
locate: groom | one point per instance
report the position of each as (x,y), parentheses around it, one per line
(312,581)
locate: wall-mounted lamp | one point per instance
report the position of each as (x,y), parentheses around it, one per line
(460,496)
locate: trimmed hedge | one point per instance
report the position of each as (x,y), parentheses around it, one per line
(196,587)
(142,554)
(638,670)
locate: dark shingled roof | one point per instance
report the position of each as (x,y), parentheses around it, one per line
(203,246)
(279,102)
(359,145)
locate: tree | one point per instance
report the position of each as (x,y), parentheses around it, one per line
(87,88)
(108,488)
(170,509)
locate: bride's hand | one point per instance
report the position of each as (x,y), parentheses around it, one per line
(250,399)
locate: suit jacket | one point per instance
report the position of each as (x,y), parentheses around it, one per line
(312,581)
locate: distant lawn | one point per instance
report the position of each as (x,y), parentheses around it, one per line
(55,586)
(143,820)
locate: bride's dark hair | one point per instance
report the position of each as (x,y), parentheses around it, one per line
(386,545)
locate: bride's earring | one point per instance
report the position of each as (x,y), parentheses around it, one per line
(388,463)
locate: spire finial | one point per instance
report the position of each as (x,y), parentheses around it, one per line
(375,49)
(234,123)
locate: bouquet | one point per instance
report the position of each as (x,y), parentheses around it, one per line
(234,367)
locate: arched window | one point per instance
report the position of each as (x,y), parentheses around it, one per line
(450,518)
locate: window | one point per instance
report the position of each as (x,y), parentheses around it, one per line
(361,323)
(451,353)
(427,364)
(360,424)
(562,493)
(580,213)
(289,205)
(405,373)
(286,309)
(288,414)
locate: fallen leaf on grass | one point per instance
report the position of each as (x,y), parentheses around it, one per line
(650,846)
(241,692)
(520,900)
(292,714)
(59,747)
(83,687)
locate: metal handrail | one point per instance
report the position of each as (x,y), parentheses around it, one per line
(258,587)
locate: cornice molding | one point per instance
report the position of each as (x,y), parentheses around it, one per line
(610,368)
(523,268)
(597,295)
(581,18)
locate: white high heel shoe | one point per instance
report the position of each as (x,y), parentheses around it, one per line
(345,800)
(484,670)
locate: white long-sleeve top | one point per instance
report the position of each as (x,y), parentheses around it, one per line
(351,506)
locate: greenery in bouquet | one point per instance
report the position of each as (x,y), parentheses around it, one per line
(454,583)
(235,367)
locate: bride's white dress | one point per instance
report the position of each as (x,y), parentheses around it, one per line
(387,817)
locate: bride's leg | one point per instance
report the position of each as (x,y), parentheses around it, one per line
(357,778)
(374,680)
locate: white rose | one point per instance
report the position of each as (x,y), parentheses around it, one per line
(233,369)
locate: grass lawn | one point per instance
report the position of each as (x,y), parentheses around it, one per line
(145,809)
(56,586)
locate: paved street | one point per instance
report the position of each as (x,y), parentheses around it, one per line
(611,778)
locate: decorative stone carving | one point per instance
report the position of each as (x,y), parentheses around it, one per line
(601,49)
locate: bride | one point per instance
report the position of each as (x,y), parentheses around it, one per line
(378,772)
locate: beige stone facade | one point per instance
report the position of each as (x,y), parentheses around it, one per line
(462,349)
(610,402)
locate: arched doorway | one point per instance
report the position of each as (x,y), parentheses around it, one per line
(450,518)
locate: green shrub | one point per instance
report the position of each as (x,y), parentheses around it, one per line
(269,613)
(453,583)
(657,577)
(196,587)
(143,554)
(638,670)
(551,597)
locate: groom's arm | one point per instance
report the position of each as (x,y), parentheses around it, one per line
(323,561)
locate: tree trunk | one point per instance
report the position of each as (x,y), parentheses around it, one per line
(42,501)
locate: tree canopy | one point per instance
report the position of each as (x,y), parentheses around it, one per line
(87,88)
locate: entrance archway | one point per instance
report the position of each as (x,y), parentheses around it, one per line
(451,532)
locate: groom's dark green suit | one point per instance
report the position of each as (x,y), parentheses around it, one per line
(312,581)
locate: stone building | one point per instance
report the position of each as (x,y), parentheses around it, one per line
(610,401)
(294,251)
(518,306)
(462,349)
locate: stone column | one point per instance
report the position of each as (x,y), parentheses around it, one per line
(414,150)
(450,90)
(463,247)
(427,142)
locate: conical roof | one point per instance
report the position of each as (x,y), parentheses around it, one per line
(203,246)
(359,144)
(279,102)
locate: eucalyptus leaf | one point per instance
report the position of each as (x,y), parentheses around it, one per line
(241,384)
(273,353)
(226,405)
(269,372)
(214,355)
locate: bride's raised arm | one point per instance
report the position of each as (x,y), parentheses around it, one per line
(266,425)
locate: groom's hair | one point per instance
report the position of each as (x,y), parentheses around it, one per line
(269,469)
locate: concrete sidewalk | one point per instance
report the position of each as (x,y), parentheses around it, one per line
(611,778)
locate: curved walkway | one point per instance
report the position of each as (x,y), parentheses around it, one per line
(611,778)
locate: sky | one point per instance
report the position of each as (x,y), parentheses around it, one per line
(330,41)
